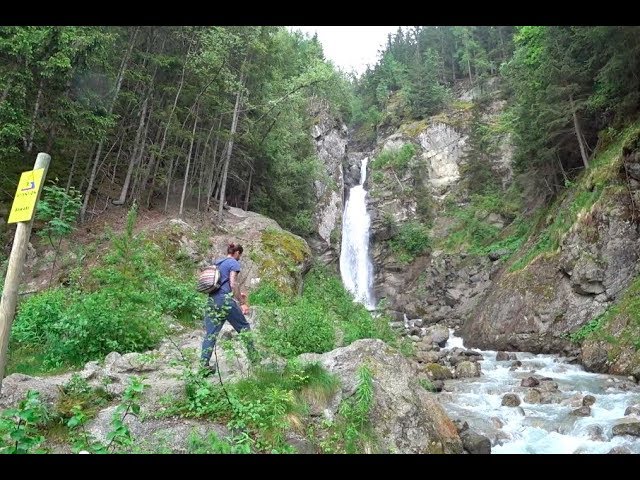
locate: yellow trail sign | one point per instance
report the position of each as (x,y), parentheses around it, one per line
(24,202)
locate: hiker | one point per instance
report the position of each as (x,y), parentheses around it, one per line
(226,303)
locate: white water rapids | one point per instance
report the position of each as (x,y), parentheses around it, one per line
(542,428)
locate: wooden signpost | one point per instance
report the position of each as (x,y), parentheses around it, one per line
(22,213)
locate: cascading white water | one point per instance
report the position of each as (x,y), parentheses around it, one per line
(356,267)
(547,427)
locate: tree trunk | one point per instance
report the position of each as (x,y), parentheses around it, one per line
(115,166)
(194,168)
(171,164)
(578,130)
(140,171)
(202,162)
(29,143)
(73,166)
(133,158)
(150,168)
(225,170)
(213,166)
(173,108)
(87,168)
(92,178)
(186,173)
(204,167)
(217,179)
(246,197)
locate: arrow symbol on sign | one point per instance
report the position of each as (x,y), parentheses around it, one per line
(31,187)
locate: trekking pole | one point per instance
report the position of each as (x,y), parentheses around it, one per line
(215,354)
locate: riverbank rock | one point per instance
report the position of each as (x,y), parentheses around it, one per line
(511,400)
(475,443)
(405,417)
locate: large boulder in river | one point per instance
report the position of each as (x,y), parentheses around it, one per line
(405,417)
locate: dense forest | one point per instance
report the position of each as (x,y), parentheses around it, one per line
(183,116)
(166,116)
(564,84)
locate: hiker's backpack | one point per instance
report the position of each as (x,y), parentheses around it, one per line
(209,278)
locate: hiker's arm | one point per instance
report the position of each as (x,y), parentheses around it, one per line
(235,287)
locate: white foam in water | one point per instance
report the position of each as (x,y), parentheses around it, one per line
(544,428)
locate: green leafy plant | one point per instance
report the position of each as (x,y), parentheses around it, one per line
(19,427)
(120,436)
(119,305)
(411,241)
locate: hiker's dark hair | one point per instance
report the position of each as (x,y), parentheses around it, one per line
(233,248)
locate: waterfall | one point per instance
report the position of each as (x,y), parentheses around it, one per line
(356,267)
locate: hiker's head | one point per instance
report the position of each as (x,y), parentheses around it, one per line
(235,250)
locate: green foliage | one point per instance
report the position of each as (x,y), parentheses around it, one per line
(19,427)
(411,241)
(418,66)
(80,439)
(480,153)
(549,239)
(310,323)
(426,384)
(326,291)
(588,329)
(260,409)
(560,75)
(427,95)
(58,209)
(78,396)
(117,306)
(396,159)
(120,436)
(473,231)
(351,432)
(212,444)
(267,294)
(355,411)
(619,324)
(600,179)
(299,328)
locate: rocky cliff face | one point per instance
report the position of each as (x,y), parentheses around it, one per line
(437,286)
(330,138)
(560,293)
(536,308)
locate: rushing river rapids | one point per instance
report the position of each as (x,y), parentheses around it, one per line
(550,426)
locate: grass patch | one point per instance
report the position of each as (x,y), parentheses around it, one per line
(411,241)
(263,407)
(475,234)
(625,311)
(600,178)
(394,158)
(324,317)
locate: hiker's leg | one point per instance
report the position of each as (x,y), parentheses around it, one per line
(240,323)
(213,322)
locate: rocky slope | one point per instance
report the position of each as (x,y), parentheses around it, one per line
(434,286)
(405,417)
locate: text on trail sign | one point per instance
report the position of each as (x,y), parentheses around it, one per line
(25,200)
